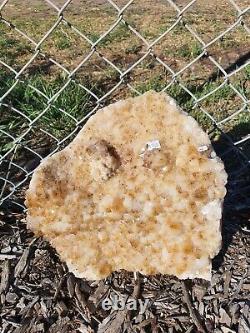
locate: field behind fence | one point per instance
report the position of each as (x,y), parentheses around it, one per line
(60,61)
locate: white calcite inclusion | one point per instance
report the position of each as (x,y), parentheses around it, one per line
(139,189)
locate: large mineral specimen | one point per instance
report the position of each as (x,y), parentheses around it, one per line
(140,188)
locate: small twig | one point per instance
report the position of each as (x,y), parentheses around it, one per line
(82,303)
(137,286)
(5,281)
(59,286)
(23,261)
(238,289)
(191,309)
(227,283)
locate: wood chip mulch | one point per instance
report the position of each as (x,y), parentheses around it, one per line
(38,294)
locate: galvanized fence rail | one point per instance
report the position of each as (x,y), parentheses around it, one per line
(9,186)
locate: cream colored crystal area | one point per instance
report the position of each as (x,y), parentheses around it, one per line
(139,189)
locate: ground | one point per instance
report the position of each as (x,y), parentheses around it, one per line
(37,292)
(39,295)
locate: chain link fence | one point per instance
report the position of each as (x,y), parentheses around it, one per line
(206,75)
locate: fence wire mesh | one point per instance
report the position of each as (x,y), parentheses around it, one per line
(61,61)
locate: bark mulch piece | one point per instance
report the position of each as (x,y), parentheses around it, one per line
(38,294)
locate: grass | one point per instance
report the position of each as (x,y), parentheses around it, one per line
(74,101)
(121,47)
(218,103)
(221,94)
(133,49)
(77,103)
(120,33)
(156,83)
(7,42)
(190,50)
(62,43)
(11,49)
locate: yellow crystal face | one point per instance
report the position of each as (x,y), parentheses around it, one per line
(139,188)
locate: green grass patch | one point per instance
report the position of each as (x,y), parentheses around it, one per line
(225,92)
(73,100)
(135,48)
(191,50)
(156,83)
(11,49)
(63,43)
(120,33)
